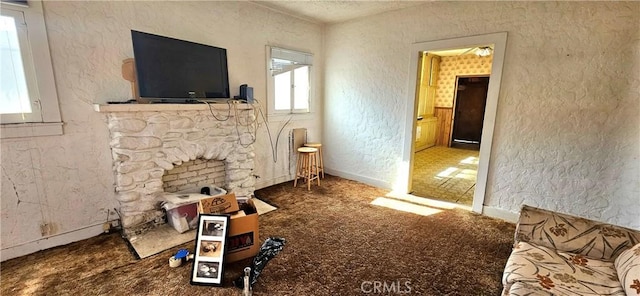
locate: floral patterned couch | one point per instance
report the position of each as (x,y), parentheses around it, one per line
(559,254)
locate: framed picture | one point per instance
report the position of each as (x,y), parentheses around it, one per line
(210,245)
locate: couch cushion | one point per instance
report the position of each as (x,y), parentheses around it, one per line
(560,273)
(628,268)
(573,234)
(524,289)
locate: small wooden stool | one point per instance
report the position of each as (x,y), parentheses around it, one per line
(307,166)
(319,155)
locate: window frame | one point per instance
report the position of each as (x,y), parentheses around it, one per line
(304,59)
(38,59)
(28,70)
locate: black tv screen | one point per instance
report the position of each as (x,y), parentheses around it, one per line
(169,69)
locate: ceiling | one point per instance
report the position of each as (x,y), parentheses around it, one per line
(329,12)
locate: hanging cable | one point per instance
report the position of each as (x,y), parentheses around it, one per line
(214,115)
(274,149)
(253,122)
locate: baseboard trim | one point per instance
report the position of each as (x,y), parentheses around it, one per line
(486,210)
(50,242)
(274,181)
(500,214)
(342,174)
(369,181)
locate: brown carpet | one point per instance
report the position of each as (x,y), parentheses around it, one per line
(336,241)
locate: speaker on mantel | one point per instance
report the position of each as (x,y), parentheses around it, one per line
(246,93)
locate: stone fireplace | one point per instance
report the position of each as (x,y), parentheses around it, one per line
(175,147)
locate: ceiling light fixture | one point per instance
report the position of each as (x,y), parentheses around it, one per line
(483,51)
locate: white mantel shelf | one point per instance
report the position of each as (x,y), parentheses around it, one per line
(106,108)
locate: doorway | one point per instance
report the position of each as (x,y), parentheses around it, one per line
(499,42)
(447,170)
(470,101)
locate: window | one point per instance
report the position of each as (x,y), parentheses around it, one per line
(289,81)
(28,97)
(15,97)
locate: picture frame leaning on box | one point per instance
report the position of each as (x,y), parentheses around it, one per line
(211,243)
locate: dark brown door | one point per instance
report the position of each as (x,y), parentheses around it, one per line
(471,98)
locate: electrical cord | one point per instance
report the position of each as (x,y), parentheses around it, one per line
(255,115)
(274,149)
(214,115)
(254,136)
(249,123)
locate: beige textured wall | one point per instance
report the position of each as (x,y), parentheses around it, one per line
(567,131)
(452,66)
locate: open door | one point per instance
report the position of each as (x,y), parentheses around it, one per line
(470,102)
(426,121)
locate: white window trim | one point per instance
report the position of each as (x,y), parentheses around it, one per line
(39,44)
(272,114)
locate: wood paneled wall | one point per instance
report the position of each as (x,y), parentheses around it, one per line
(443,129)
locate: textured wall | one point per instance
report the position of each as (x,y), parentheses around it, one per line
(567,134)
(46,178)
(453,66)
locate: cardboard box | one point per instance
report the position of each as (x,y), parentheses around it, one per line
(238,214)
(243,240)
(223,204)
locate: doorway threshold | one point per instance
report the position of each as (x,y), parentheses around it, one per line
(468,146)
(426,201)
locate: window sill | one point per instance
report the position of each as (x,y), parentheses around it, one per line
(26,130)
(294,116)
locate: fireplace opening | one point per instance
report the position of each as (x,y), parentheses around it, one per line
(193,175)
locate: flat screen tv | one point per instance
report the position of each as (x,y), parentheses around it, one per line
(173,70)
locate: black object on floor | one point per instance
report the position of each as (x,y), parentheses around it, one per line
(269,249)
